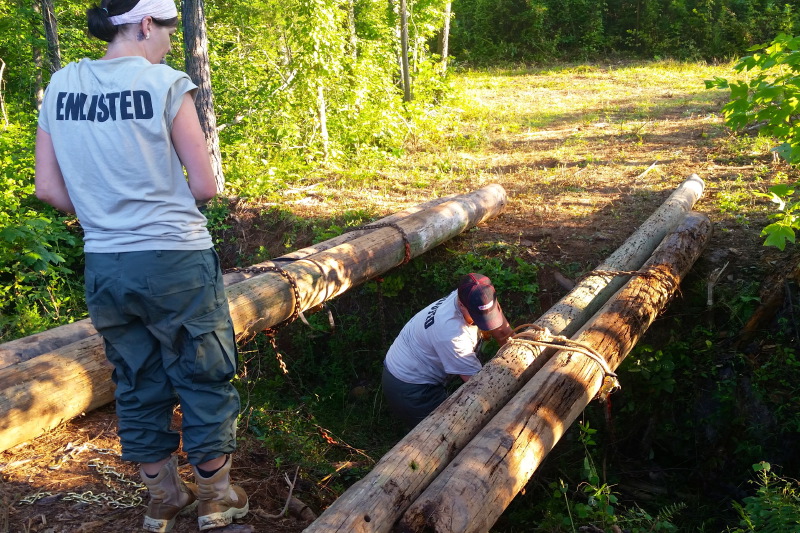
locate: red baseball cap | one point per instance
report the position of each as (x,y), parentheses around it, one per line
(477,294)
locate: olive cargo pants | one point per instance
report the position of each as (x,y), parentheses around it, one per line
(164,318)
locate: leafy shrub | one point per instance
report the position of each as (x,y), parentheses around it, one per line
(776,506)
(770,99)
(786,219)
(38,252)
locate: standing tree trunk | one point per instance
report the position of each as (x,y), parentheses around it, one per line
(2,99)
(38,94)
(51,34)
(322,110)
(351,31)
(407,96)
(444,38)
(195,42)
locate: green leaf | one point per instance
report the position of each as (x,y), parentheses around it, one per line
(763,465)
(777,235)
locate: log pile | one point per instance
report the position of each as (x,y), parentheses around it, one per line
(478,485)
(379,500)
(47,389)
(460,468)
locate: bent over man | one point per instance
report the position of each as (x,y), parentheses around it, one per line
(438,342)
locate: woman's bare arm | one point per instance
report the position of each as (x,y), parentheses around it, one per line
(49,181)
(190,144)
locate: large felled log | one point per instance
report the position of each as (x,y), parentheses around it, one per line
(477,486)
(25,348)
(36,395)
(268,299)
(378,500)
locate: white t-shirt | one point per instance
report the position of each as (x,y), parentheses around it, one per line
(110,122)
(436,343)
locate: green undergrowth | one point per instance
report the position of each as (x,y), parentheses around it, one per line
(41,282)
(328,408)
(672,450)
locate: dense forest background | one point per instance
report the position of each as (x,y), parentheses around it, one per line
(312,91)
(305,85)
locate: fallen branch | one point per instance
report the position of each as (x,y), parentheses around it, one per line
(288,499)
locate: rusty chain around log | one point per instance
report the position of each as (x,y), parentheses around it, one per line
(542,337)
(292,283)
(403,235)
(272,331)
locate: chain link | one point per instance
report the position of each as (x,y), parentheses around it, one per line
(122,493)
(292,283)
(272,331)
(403,235)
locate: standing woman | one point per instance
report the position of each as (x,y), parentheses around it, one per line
(114,137)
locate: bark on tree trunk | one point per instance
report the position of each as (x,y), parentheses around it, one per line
(477,486)
(39,394)
(444,38)
(26,348)
(407,95)
(351,30)
(51,34)
(38,94)
(322,111)
(195,43)
(377,501)
(2,98)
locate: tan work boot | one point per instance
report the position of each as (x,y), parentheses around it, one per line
(220,501)
(169,496)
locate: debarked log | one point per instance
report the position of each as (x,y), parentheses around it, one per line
(268,299)
(479,484)
(25,348)
(376,502)
(37,395)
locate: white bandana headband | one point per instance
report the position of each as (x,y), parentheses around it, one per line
(158,9)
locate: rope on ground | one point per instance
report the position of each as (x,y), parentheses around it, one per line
(534,335)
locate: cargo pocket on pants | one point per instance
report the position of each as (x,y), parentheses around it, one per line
(212,338)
